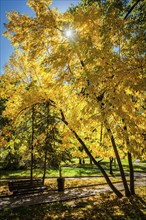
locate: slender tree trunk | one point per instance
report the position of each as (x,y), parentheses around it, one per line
(90,161)
(114,189)
(115,164)
(45,166)
(46,143)
(32,147)
(125,184)
(111,166)
(101,131)
(131,170)
(131,174)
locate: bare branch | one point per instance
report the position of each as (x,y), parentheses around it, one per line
(131,9)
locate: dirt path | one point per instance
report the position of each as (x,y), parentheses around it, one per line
(68,194)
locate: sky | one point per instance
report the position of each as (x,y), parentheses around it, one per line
(20,5)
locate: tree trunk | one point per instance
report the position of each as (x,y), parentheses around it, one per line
(115,164)
(131,174)
(111,166)
(131,170)
(125,184)
(32,147)
(80,161)
(45,166)
(46,143)
(90,161)
(101,131)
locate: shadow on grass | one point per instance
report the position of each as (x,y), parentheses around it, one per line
(103,207)
(83,171)
(70,170)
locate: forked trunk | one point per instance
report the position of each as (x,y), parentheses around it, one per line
(125,184)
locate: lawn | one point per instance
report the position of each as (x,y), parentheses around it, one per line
(71,170)
(103,207)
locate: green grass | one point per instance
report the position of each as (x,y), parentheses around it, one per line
(66,172)
(71,170)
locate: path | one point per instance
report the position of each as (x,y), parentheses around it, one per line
(68,194)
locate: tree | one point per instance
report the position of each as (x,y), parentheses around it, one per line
(93,82)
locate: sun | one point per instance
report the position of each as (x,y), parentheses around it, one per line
(69,33)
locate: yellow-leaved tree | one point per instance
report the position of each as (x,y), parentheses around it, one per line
(90,64)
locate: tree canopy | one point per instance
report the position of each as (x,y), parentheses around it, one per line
(94,75)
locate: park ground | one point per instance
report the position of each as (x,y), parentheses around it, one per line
(99,203)
(102,206)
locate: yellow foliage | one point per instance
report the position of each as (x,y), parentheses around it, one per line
(85,77)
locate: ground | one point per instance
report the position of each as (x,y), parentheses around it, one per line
(78,201)
(105,206)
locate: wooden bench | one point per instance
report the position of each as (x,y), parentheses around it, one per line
(26,186)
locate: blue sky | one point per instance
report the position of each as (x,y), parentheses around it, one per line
(20,5)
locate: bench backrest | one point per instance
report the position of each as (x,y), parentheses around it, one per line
(24,184)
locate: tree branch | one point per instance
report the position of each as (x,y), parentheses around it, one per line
(131,9)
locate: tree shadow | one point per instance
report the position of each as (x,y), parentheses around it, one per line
(84,170)
(105,206)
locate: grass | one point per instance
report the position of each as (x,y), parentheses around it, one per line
(72,170)
(104,207)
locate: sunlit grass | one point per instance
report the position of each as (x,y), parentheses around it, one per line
(71,170)
(66,172)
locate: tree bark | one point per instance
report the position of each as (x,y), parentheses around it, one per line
(127,191)
(32,147)
(90,161)
(111,166)
(46,142)
(132,188)
(101,131)
(80,161)
(45,166)
(131,170)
